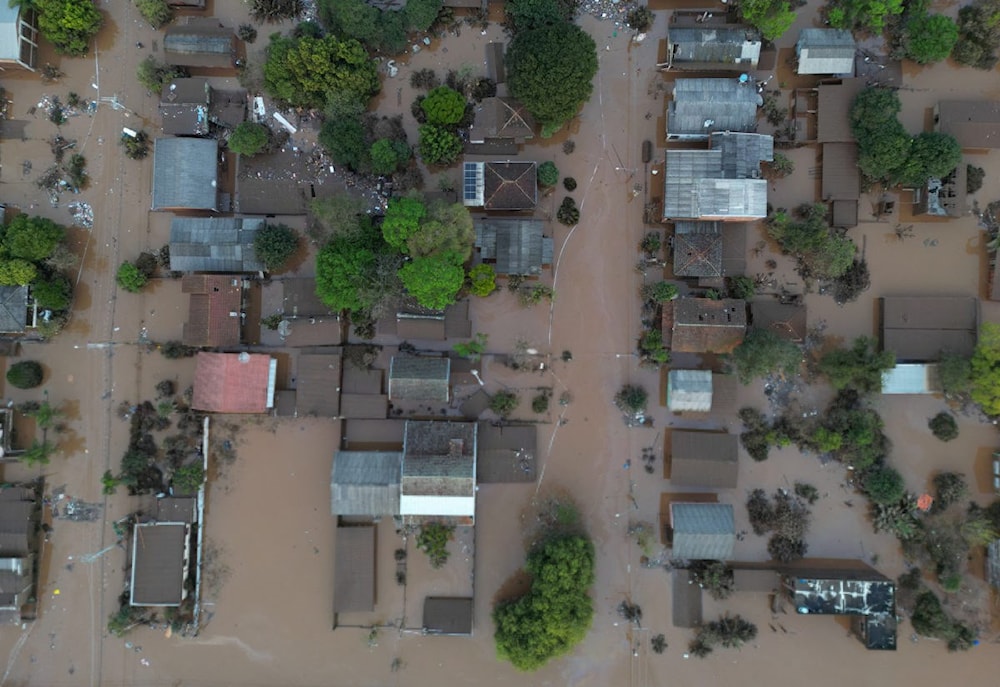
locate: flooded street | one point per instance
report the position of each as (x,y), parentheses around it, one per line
(270,538)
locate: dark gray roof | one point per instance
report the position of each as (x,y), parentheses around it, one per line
(973,123)
(185,174)
(703,531)
(354,569)
(825,51)
(502,118)
(517,245)
(742,153)
(448,616)
(694,188)
(365,483)
(13,309)
(701,106)
(418,378)
(214,244)
(919,328)
(318,385)
(201,42)
(184,105)
(698,254)
(703,459)
(506,453)
(841,177)
(439,459)
(177,509)
(685,602)
(726,46)
(843,592)
(158,564)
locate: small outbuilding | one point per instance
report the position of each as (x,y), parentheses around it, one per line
(449,616)
(160,559)
(215,310)
(702,531)
(18,37)
(317,391)
(689,391)
(707,47)
(787,320)
(414,378)
(503,119)
(826,51)
(365,483)
(13,309)
(975,124)
(703,459)
(354,572)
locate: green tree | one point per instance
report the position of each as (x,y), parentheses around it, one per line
(249,138)
(304,71)
(955,374)
(274,245)
(17,272)
(188,478)
(435,280)
(421,14)
(986,369)
(883,485)
(155,75)
(556,613)
(771,17)
(632,399)
(715,577)
(859,367)
(402,220)
(352,18)
(764,353)
(344,138)
(551,70)
(524,15)
(39,453)
(978,34)
(503,403)
(821,251)
(433,540)
(68,24)
(862,15)
(931,154)
(474,348)
(443,106)
(660,292)
(447,228)
(548,174)
(156,12)
(438,146)
(388,155)
(482,280)
(356,270)
(943,426)
(32,238)
(742,287)
(130,277)
(54,293)
(930,38)
(25,374)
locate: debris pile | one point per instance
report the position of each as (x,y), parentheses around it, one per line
(83,214)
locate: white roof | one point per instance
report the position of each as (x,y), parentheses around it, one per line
(911,378)
(462,506)
(689,391)
(10,41)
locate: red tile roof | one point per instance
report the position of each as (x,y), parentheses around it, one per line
(214,299)
(232,382)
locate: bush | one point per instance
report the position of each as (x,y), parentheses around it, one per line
(443,106)
(548,174)
(482,280)
(883,485)
(438,146)
(715,577)
(742,287)
(130,278)
(424,79)
(503,403)
(275,10)
(930,38)
(274,245)
(25,374)
(660,292)
(189,478)
(388,156)
(249,138)
(247,33)
(472,349)
(950,488)
(632,399)
(568,213)
(174,350)
(136,147)
(433,540)
(731,632)
(641,19)
(53,294)
(786,550)
(155,75)
(943,426)
(974,178)
(540,403)
(156,12)
(569,183)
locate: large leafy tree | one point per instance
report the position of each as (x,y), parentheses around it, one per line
(31,238)
(978,34)
(443,106)
(771,17)
(69,25)
(344,139)
(446,229)
(402,220)
(932,154)
(986,369)
(438,145)
(275,244)
(764,353)
(859,367)
(523,15)
(930,38)
(821,251)
(556,613)
(551,70)
(17,272)
(421,14)
(434,280)
(303,72)
(862,15)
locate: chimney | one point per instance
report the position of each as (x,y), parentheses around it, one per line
(455,447)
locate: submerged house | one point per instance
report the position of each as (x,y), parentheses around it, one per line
(501,120)
(703,459)
(514,246)
(689,391)
(415,378)
(975,124)
(500,185)
(20,517)
(186,174)
(920,328)
(214,244)
(700,107)
(706,47)
(702,531)
(160,562)
(825,51)
(200,42)
(189,105)
(704,325)
(215,310)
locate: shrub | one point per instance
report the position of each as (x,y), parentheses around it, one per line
(548,174)
(188,478)
(249,138)
(275,244)
(715,577)
(950,487)
(974,178)
(660,292)
(155,75)
(883,485)
(25,374)
(433,540)
(730,632)
(943,426)
(438,146)
(785,549)
(130,278)
(569,213)
(482,280)
(53,294)
(742,287)
(503,403)
(136,147)
(569,183)
(247,33)
(275,10)
(641,19)
(443,106)
(156,12)
(174,350)
(39,453)
(424,79)
(632,399)
(540,403)
(472,349)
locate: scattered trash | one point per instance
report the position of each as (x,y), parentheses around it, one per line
(83,214)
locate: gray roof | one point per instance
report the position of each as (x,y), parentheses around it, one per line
(185,174)
(214,244)
(703,459)
(318,385)
(698,254)
(689,391)
(726,46)
(503,118)
(354,569)
(439,459)
(506,453)
(158,564)
(695,188)
(825,51)
(701,106)
(742,153)
(201,42)
(919,328)
(448,616)
(184,105)
(13,309)
(703,531)
(517,245)
(685,601)
(365,483)
(419,379)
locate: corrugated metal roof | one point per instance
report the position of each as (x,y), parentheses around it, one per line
(703,531)
(825,51)
(742,153)
(737,46)
(694,188)
(158,564)
(201,42)
(13,309)
(365,483)
(185,174)
(689,391)
(439,463)
(517,245)
(703,459)
(214,244)
(354,569)
(419,378)
(701,106)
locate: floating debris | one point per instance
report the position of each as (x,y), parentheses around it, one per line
(83,214)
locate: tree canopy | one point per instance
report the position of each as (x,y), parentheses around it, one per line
(438,145)
(764,353)
(862,15)
(978,34)
(68,24)
(434,280)
(249,138)
(930,38)
(550,69)
(31,238)
(859,367)
(402,220)
(524,15)
(275,244)
(443,106)
(555,615)
(986,369)
(822,251)
(303,72)
(771,17)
